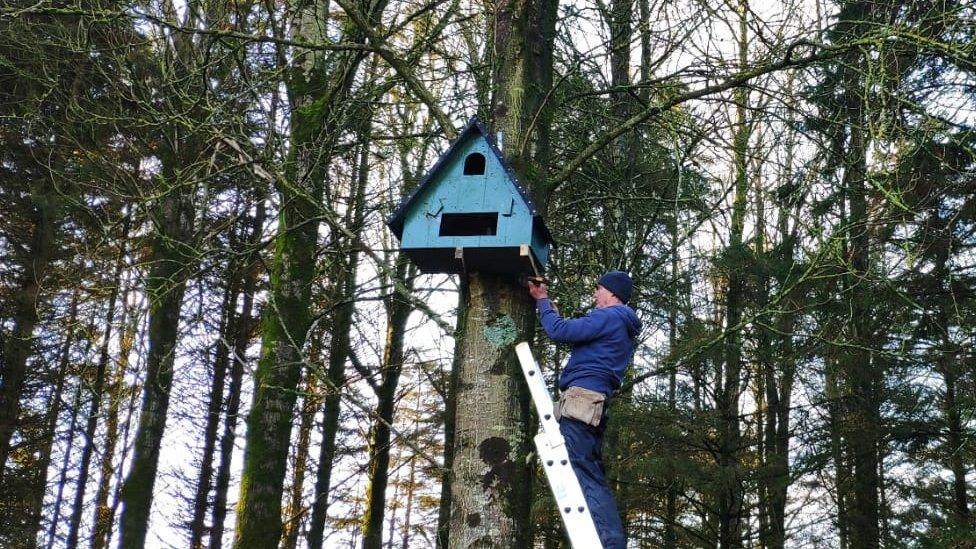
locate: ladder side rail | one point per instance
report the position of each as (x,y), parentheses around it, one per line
(540,394)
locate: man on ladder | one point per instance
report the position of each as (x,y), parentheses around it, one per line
(603,345)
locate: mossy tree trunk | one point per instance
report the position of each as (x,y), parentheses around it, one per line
(490,493)
(317,85)
(491,478)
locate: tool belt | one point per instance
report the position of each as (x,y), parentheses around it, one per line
(580,404)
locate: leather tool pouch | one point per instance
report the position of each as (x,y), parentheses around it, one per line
(580,404)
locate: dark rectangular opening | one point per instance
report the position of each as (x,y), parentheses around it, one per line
(469,224)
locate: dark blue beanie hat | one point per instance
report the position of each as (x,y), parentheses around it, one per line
(619,284)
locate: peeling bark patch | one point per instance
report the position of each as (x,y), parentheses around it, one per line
(502,332)
(473,520)
(494,451)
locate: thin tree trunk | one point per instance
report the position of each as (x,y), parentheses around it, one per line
(671,498)
(947,363)
(344,274)
(243,325)
(97,390)
(954,442)
(863,422)
(334,385)
(730,496)
(834,389)
(296,510)
(103,512)
(52,528)
(411,486)
(398,313)
(36,506)
(450,415)
(214,406)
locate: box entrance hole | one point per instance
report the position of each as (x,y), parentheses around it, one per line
(469,224)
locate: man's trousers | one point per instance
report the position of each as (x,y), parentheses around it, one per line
(584,444)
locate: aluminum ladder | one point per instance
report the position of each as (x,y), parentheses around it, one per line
(551,447)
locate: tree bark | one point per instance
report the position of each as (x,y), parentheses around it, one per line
(491,480)
(862,421)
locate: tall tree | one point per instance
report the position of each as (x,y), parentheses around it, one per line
(178,67)
(317,88)
(490,477)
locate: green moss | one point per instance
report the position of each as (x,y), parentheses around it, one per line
(502,332)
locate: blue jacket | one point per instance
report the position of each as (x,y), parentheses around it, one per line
(603,344)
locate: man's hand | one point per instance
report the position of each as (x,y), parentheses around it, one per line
(538,289)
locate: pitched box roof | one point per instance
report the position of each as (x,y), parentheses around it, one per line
(473,128)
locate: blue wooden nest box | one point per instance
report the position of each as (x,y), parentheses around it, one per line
(471,213)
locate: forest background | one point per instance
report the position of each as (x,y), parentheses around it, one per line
(208,336)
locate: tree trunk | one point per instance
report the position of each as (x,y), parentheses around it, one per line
(36,505)
(214,406)
(491,479)
(398,312)
(97,389)
(103,512)
(411,486)
(863,421)
(295,509)
(955,442)
(287,319)
(730,496)
(52,528)
(344,275)
(241,333)
(334,385)
(25,300)
(165,286)
(491,482)
(450,416)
